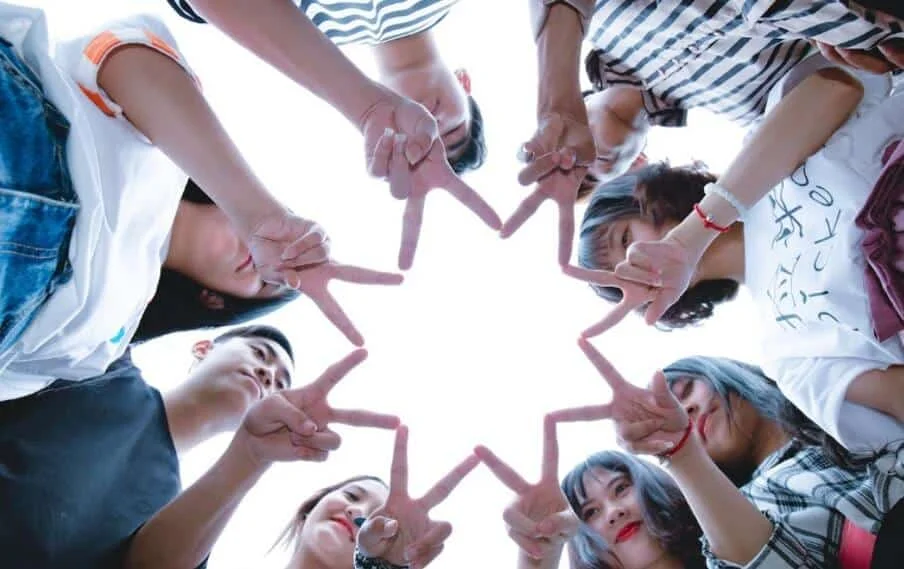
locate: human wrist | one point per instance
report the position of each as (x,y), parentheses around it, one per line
(692,236)
(690,454)
(242,461)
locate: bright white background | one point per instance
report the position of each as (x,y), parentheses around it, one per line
(479,341)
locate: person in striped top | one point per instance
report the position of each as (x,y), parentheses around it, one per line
(652,62)
(407,56)
(421,127)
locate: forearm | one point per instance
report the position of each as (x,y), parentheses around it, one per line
(280,34)
(792,132)
(163,102)
(181,535)
(558,63)
(736,530)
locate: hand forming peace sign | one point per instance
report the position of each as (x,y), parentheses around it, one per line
(294,423)
(313,281)
(400,531)
(557,158)
(540,519)
(412,182)
(646,420)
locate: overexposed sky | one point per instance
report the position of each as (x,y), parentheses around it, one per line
(479,341)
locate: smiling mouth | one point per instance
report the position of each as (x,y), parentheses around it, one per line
(348,527)
(627,532)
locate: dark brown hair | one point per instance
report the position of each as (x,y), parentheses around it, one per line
(658,193)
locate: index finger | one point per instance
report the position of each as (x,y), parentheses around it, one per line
(361,275)
(505,473)
(522,213)
(602,365)
(398,473)
(473,201)
(566,231)
(582,414)
(441,490)
(595,276)
(411,229)
(615,316)
(362,418)
(335,314)
(321,386)
(550,469)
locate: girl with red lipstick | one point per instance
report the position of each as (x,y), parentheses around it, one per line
(612,511)
(767,486)
(363,523)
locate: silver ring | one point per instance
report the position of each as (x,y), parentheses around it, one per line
(525,155)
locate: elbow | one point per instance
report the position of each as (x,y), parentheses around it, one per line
(841,89)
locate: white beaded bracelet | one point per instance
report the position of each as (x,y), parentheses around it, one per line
(713,188)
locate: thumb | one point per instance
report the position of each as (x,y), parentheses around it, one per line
(422,138)
(376,534)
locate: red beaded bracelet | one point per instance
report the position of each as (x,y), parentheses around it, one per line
(665,456)
(708,220)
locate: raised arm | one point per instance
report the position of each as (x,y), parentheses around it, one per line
(280,34)
(286,426)
(794,130)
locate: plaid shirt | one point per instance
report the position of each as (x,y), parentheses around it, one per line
(808,497)
(721,55)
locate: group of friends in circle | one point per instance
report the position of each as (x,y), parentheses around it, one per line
(128,213)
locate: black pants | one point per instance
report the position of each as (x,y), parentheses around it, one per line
(889,552)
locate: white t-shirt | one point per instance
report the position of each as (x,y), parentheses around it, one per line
(805,269)
(129,192)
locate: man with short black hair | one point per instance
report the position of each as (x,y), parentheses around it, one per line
(84,464)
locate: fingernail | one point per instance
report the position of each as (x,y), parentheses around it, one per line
(400,137)
(359,521)
(387,132)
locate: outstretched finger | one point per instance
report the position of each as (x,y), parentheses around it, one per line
(602,365)
(398,473)
(335,314)
(566,231)
(411,229)
(361,275)
(363,418)
(505,473)
(398,169)
(550,470)
(378,165)
(525,209)
(600,277)
(322,386)
(447,483)
(661,303)
(472,200)
(582,414)
(539,167)
(615,316)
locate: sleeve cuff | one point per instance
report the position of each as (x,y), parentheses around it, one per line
(98,48)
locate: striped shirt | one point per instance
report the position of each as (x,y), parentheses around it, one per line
(807,497)
(359,21)
(721,55)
